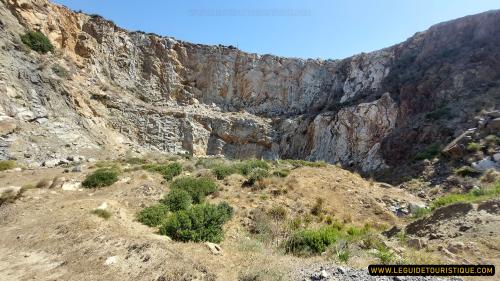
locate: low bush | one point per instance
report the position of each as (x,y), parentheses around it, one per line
(177,200)
(221,171)
(198,188)
(278,213)
(168,171)
(257,174)
(154,215)
(385,255)
(317,209)
(37,41)
(102,213)
(309,242)
(466,171)
(198,224)
(7,165)
(281,173)
(100,178)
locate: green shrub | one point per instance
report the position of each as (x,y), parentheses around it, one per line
(308,242)
(100,178)
(101,213)
(429,152)
(198,188)
(177,200)
(37,41)
(154,215)
(198,224)
(7,165)
(221,171)
(281,173)
(466,171)
(167,171)
(256,175)
(474,146)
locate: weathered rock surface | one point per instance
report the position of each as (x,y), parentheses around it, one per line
(126,91)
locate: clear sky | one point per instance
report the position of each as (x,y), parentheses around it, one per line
(328,29)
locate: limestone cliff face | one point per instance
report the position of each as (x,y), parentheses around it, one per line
(129,90)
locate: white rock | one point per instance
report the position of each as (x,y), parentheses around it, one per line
(71,186)
(214,248)
(111,260)
(496,157)
(485,164)
(103,206)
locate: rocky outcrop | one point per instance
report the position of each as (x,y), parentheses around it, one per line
(123,91)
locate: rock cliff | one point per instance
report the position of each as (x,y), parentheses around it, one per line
(106,91)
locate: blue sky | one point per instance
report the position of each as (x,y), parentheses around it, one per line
(328,29)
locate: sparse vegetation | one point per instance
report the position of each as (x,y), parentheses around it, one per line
(257,174)
(60,71)
(281,173)
(7,165)
(302,163)
(101,178)
(198,188)
(199,223)
(102,213)
(471,196)
(221,171)
(278,213)
(317,209)
(466,171)
(168,171)
(385,255)
(37,41)
(154,215)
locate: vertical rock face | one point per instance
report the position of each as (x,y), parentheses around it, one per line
(126,90)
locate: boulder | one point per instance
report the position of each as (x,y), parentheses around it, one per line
(485,164)
(71,186)
(7,125)
(214,248)
(416,243)
(51,163)
(456,247)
